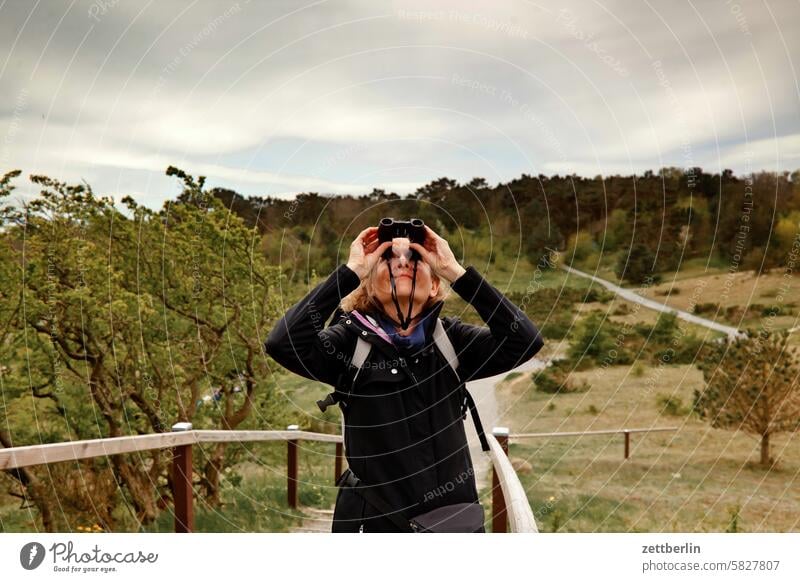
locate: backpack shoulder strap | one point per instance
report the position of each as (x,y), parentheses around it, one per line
(361,352)
(445,346)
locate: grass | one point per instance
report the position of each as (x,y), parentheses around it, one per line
(684,481)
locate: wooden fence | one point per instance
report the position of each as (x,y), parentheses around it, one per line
(511,510)
(626,432)
(510,505)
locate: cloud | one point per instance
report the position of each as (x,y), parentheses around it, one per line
(272,98)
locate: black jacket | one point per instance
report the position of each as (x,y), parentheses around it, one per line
(404,431)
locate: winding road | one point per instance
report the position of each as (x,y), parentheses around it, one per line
(634,297)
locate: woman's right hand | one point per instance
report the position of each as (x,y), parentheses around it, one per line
(366,251)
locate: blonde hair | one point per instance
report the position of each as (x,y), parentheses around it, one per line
(362,298)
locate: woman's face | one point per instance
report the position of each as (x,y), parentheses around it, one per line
(427,285)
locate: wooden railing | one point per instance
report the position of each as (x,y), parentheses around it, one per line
(626,432)
(509,506)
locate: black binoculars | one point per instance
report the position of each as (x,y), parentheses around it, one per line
(389,228)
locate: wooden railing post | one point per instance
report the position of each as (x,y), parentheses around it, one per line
(337,469)
(499,514)
(291,473)
(627,443)
(182,483)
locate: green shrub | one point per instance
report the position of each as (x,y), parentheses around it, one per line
(594,340)
(706,308)
(556,328)
(556,381)
(598,295)
(774,310)
(671,405)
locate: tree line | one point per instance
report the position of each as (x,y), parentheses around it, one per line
(649,223)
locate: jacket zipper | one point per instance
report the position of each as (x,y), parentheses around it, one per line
(363,504)
(404,365)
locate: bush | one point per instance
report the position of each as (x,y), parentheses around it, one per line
(593,340)
(665,328)
(706,308)
(556,328)
(733,519)
(556,381)
(774,310)
(671,405)
(666,343)
(598,295)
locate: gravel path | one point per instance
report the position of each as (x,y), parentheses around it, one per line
(630,295)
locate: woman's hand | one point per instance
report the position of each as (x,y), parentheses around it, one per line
(365,251)
(436,252)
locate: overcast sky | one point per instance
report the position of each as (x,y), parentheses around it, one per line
(274,98)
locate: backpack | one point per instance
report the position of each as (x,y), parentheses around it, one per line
(445,346)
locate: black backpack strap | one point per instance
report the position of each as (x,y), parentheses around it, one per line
(338,396)
(445,346)
(349,479)
(476,419)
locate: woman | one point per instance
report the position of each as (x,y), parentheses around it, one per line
(404,408)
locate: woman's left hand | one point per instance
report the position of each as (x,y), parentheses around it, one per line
(436,252)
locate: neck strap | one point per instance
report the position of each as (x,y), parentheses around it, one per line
(404,321)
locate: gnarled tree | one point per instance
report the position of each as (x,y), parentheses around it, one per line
(118,324)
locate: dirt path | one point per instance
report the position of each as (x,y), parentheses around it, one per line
(318,521)
(630,295)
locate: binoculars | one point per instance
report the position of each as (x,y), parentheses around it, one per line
(389,228)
